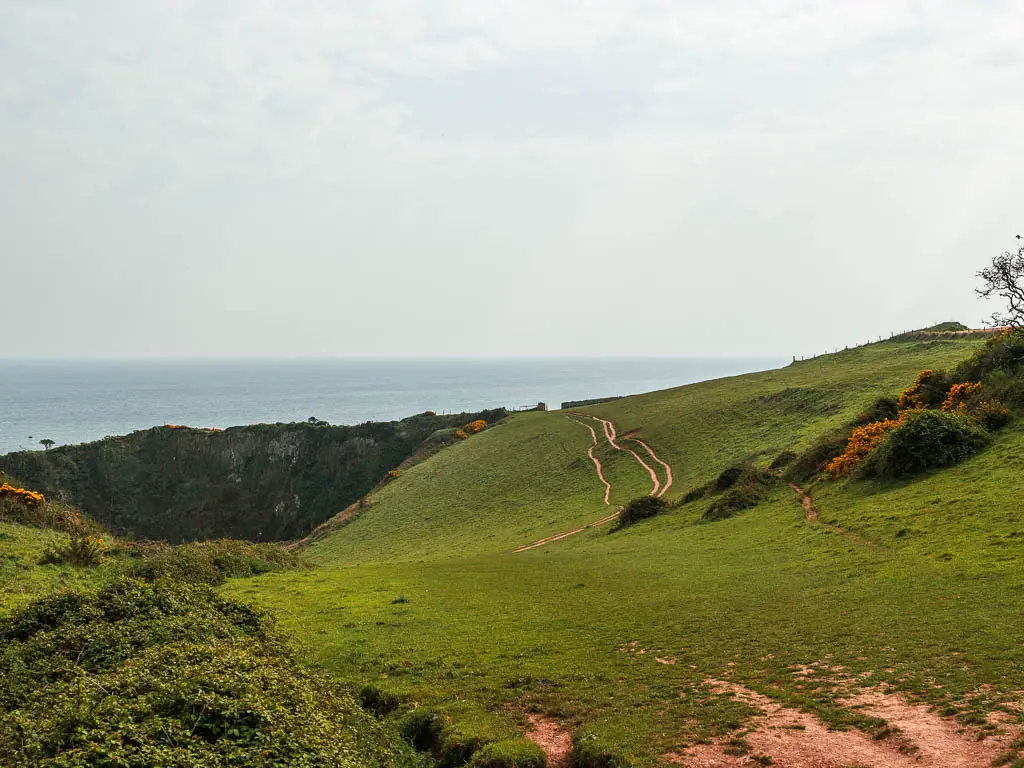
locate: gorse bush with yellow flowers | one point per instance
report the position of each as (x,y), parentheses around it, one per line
(862,441)
(479,425)
(943,417)
(22,495)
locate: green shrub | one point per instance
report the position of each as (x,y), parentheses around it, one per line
(80,550)
(694,494)
(514,753)
(168,674)
(640,509)
(49,514)
(206,562)
(422,728)
(381,703)
(883,408)
(927,440)
(784,459)
(728,478)
(748,489)
(1004,352)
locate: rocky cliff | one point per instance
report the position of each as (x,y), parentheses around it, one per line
(265,482)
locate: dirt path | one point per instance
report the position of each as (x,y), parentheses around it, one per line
(665,464)
(919,738)
(609,432)
(597,462)
(549,736)
(611,435)
(811,513)
(805,500)
(567,534)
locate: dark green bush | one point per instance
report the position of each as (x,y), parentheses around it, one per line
(514,753)
(728,478)
(422,728)
(168,674)
(927,440)
(1001,353)
(381,703)
(694,494)
(883,408)
(640,509)
(206,562)
(749,488)
(812,461)
(784,459)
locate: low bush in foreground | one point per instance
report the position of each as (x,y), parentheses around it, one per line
(207,562)
(168,674)
(514,753)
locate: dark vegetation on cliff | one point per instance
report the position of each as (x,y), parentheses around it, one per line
(266,482)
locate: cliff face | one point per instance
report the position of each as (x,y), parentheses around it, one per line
(265,482)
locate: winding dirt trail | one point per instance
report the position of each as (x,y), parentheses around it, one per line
(805,501)
(610,435)
(665,464)
(597,462)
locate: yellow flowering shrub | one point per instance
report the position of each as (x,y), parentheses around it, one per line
(393,473)
(928,388)
(959,395)
(26,497)
(862,441)
(475,426)
(460,434)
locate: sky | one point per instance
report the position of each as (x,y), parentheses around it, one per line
(293,178)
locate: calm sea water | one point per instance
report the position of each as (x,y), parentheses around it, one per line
(78,401)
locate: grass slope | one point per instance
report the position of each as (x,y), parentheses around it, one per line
(509,485)
(23,579)
(616,634)
(702,428)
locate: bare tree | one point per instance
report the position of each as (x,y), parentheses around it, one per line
(1005,279)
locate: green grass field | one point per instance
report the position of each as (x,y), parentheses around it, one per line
(22,578)
(615,634)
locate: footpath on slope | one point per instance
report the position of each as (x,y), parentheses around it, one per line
(611,436)
(811,513)
(914,737)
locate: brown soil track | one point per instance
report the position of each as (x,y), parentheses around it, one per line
(609,433)
(919,738)
(549,736)
(611,436)
(811,513)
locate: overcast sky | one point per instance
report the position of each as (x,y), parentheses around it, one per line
(510,177)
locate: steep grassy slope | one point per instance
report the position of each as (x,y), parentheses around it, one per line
(703,428)
(266,482)
(616,635)
(517,482)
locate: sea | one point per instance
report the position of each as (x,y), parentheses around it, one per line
(74,401)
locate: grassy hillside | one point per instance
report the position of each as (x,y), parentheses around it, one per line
(703,428)
(265,482)
(916,585)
